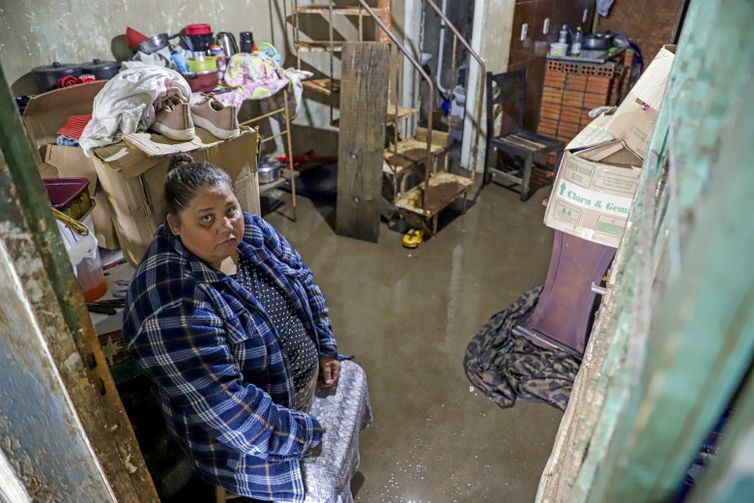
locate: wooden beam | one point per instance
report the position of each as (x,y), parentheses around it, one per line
(363,118)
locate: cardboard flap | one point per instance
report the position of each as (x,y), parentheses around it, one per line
(615,154)
(125,159)
(71,162)
(47,112)
(154,145)
(650,87)
(595,133)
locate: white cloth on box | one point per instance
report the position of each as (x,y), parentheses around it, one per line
(346,412)
(126,104)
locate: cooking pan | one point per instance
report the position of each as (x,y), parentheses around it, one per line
(155,43)
(597,41)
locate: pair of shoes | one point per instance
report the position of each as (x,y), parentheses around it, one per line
(176,119)
(173,120)
(218,119)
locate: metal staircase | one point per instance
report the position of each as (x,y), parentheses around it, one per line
(405,153)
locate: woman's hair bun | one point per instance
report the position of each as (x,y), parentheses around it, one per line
(180,159)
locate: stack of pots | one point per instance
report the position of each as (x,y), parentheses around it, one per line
(49,76)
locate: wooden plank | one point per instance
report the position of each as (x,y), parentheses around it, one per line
(319,46)
(322,86)
(444,189)
(363,118)
(730,477)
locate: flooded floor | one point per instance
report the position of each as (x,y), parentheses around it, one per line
(407,316)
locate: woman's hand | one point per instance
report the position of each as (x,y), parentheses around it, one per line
(329,372)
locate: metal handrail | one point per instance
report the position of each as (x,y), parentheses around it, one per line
(481,80)
(426,77)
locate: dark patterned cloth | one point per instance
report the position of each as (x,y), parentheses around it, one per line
(506,367)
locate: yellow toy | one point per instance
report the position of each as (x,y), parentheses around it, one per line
(413,238)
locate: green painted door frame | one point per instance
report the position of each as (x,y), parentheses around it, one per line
(56,383)
(675,336)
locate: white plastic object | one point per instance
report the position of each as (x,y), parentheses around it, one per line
(546,26)
(524,31)
(79,247)
(558,50)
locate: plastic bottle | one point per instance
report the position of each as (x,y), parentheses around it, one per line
(563,35)
(576,45)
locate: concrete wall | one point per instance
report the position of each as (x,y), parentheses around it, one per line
(34,33)
(491,39)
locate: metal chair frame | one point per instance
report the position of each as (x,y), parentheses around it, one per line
(523,144)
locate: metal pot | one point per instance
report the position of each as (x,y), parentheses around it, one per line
(49,75)
(102,70)
(597,41)
(268,172)
(155,43)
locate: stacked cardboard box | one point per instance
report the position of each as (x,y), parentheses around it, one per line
(126,179)
(43,116)
(132,173)
(598,175)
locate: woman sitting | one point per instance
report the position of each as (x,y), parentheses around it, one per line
(226,320)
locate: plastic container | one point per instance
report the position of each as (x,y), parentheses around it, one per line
(91,278)
(558,50)
(202,82)
(201,37)
(246,42)
(205,64)
(83,253)
(69,195)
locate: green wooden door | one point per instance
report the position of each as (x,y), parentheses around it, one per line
(675,335)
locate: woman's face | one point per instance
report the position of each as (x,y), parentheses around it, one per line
(211,226)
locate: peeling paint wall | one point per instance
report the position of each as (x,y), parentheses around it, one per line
(34,33)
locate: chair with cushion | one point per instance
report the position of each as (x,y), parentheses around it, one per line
(502,90)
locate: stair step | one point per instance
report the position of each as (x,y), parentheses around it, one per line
(343,11)
(320,46)
(444,189)
(438,137)
(323,86)
(407,154)
(392,116)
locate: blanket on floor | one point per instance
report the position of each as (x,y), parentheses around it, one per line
(505,366)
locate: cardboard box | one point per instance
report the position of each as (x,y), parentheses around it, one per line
(44,115)
(634,120)
(593,192)
(132,174)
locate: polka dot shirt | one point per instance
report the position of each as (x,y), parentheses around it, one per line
(297,344)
